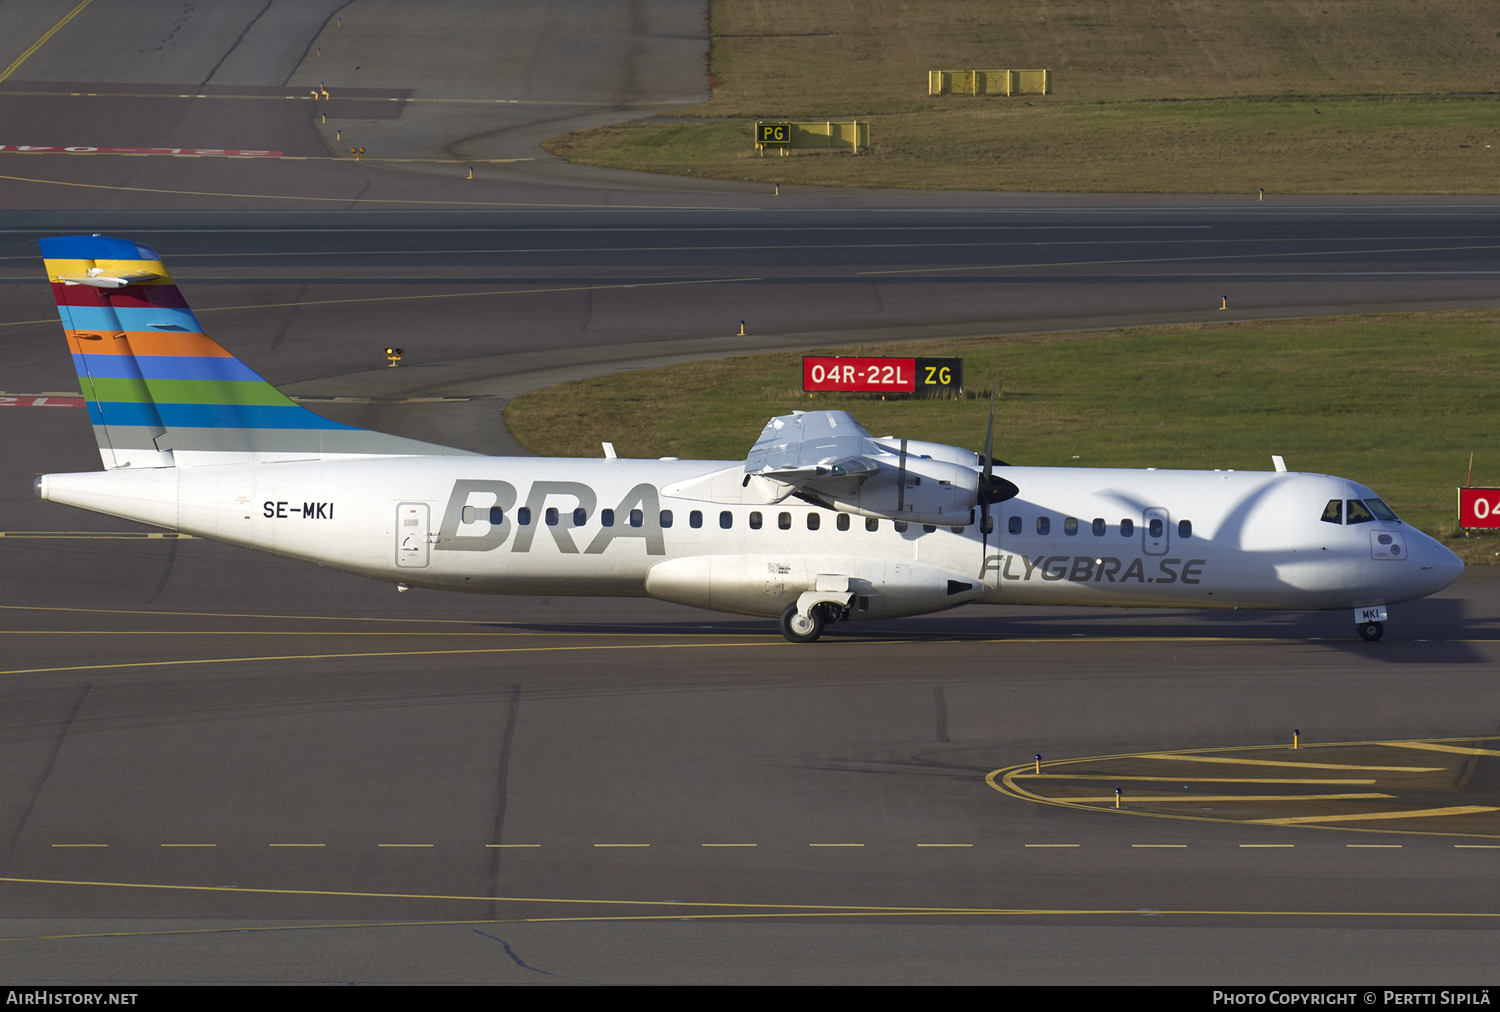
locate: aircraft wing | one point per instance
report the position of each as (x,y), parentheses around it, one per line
(821,452)
(810,442)
(829,458)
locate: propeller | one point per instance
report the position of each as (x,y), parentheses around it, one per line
(901,482)
(991,488)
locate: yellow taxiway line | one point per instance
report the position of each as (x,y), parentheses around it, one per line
(1424,813)
(1156,799)
(1269,762)
(1182,780)
(1007,781)
(16,63)
(394,653)
(1429,746)
(704,911)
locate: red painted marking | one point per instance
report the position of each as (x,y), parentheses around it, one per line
(876,375)
(86,149)
(38,401)
(1479,507)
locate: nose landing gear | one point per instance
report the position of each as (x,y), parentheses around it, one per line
(1370,620)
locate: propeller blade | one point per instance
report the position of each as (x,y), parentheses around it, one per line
(992,489)
(986,525)
(901,481)
(989,440)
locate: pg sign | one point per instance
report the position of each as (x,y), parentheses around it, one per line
(831,373)
(1479,507)
(773,134)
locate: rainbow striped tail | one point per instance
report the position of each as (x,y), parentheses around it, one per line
(161,392)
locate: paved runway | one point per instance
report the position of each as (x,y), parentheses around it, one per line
(242,763)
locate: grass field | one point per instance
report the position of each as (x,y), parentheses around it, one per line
(1394,401)
(1369,97)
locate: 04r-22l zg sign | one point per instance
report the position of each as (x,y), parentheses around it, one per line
(822,373)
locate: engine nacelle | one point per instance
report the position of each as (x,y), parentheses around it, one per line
(919,448)
(929,492)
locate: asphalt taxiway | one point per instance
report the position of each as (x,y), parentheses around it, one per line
(218,765)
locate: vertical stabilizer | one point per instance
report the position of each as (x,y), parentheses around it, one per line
(160,391)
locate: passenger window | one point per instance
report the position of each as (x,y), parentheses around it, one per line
(469,513)
(1382,511)
(606,518)
(551,516)
(523,516)
(726,520)
(1184,528)
(1358,512)
(901,526)
(755,521)
(1098,527)
(1014,525)
(814,521)
(695,519)
(666,518)
(871,524)
(1044,525)
(1070,526)
(1155,527)
(843,522)
(497,515)
(580,517)
(929,528)
(1333,513)
(637,518)
(1127,528)
(784,521)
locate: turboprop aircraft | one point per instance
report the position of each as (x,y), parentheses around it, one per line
(821,522)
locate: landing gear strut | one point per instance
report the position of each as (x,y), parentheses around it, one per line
(798,629)
(1371,631)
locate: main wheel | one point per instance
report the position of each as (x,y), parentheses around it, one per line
(801,630)
(1372,631)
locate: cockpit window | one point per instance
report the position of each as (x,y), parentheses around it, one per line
(1333,513)
(1381,510)
(1359,513)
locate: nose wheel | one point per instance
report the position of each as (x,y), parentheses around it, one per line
(802,628)
(1371,631)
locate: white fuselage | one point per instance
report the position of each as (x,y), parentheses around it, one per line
(683,531)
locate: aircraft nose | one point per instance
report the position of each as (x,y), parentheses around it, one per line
(1439,564)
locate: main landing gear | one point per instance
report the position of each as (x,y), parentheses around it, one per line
(1371,631)
(803,629)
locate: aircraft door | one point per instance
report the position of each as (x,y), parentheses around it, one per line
(1156,531)
(412,536)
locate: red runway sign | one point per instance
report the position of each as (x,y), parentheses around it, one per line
(881,375)
(868,375)
(1479,507)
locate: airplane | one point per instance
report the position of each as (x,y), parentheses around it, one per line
(820,523)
